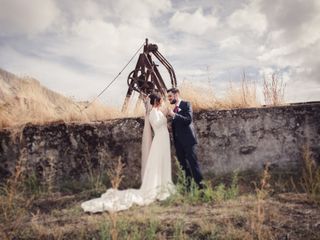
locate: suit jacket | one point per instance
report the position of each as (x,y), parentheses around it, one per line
(182,125)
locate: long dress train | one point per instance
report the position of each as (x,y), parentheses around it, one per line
(156,173)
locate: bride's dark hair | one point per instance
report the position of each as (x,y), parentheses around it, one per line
(155,98)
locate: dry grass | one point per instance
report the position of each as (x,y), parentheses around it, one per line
(273,90)
(201,97)
(25,100)
(258,214)
(19,111)
(310,180)
(116,176)
(31,102)
(244,217)
(242,95)
(13,204)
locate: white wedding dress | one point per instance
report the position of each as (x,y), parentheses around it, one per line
(155,173)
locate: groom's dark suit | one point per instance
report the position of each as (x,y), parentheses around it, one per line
(185,141)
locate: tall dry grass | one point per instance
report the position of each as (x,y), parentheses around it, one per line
(34,103)
(13,203)
(31,102)
(238,95)
(201,97)
(258,214)
(273,90)
(310,180)
(116,176)
(242,95)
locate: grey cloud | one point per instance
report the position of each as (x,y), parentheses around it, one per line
(289,15)
(26,17)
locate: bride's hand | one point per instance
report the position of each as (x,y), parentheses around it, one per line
(165,110)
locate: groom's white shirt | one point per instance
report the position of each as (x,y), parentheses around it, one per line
(178,103)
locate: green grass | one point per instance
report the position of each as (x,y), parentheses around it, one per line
(194,195)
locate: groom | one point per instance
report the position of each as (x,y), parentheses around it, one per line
(184,136)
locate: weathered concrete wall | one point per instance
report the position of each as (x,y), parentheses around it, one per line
(240,139)
(248,138)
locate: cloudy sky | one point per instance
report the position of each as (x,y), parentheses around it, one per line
(77,47)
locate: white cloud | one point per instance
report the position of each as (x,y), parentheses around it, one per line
(193,23)
(248,18)
(82,9)
(299,90)
(230,42)
(138,13)
(26,17)
(98,44)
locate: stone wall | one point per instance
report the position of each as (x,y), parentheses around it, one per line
(242,139)
(248,138)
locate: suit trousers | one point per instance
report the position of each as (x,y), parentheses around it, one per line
(188,160)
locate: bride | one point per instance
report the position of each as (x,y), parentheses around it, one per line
(156,167)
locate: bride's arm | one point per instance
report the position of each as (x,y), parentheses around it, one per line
(147,104)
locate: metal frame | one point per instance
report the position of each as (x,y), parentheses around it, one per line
(146,78)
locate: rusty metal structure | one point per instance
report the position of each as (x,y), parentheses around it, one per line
(146,78)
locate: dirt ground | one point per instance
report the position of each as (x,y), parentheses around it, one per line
(282,216)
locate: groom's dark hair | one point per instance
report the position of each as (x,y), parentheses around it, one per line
(173,90)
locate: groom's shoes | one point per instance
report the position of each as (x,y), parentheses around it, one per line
(201,194)
(201,188)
